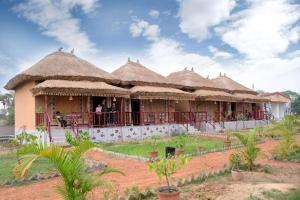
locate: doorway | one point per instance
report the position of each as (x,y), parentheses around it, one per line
(135,111)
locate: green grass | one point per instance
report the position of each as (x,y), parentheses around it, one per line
(8,161)
(141,148)
(293,194)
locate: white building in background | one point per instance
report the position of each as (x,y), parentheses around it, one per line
(2,110)
(279,105)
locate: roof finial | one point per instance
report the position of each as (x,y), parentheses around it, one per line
(225,74)
(72,51)
(60,49)
(185,68)
(220,74)
(137,61)
(192,69)
(207,77)
(128,59)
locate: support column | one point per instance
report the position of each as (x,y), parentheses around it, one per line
(88,107)
(122,110)
(46,111)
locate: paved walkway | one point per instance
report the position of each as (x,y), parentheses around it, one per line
(137,173)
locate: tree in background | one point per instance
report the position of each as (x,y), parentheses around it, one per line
(296,106)
(7,100)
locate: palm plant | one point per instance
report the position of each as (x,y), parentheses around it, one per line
(286,129)
(250,152)
(69,163)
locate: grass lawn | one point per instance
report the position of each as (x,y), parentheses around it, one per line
(141,148)
(8,161)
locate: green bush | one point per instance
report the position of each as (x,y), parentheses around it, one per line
(82,135)
(287,130)
(250,152)
(236,160)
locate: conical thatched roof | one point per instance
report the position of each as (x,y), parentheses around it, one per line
(252,98)
(277,97)
(61,65)
(133,73)
(154,92)
(229,84)
(192,80)
(211,95)
(78,88)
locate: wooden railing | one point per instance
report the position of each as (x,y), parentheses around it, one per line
(111,119)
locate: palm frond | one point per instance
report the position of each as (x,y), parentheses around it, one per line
(24,164)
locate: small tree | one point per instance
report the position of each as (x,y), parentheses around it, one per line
(166,167)
(286,129)
(181,140)
(250,152)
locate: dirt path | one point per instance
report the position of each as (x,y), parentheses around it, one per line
(137,173)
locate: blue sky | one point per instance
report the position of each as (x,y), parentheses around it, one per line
(252,41)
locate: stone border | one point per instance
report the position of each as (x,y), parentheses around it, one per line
(146,159)
(194,179)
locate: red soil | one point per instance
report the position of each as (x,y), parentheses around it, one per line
(137,174)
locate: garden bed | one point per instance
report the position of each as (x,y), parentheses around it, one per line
(141,148)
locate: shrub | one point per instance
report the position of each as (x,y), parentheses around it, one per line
(236,160)
(25,138)
(83,135)
(250,152)
(287,129)
(181,140)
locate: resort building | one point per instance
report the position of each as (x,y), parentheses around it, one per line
(64,92)
(279,104)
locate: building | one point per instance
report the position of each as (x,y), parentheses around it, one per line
(132,102)
(279,104)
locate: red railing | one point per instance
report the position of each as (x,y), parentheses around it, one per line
(76,120)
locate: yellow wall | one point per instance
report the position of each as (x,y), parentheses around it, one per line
(25,107)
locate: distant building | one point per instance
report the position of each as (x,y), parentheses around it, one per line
(279,105)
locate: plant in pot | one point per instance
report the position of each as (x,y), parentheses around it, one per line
(236,162)
(166,167)
(180,143)
(153,143)
(227,141)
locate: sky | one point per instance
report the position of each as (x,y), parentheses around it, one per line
(255,42)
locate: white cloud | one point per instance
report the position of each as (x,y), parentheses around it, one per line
(56,20)
(264,29)
(294,54)
(167,55)
(196,16)
(154,13)
(141,27)
(219,54)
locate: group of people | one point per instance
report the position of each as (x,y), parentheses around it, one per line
(105,115)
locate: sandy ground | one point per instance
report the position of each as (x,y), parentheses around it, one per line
(282,179)
(137,174)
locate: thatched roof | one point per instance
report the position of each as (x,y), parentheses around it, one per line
(154,92)
(212,95)
(251,97)
(191,80)
(229,84)
(64,66)
(277,97)
(78,88)
(133,73)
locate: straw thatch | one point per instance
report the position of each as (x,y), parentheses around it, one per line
(247,97)
(153,92)
(133,73)
(78,88)
(191,80)
(277,97)
(64,66)
(212,95)
(229,84)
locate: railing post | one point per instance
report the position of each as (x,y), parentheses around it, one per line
(88,104)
